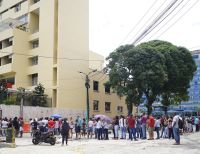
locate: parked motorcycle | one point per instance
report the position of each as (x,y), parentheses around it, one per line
(47,137)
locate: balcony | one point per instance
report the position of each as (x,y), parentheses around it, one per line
(34,36)
(33,69)
(34,5)
(6,69)
(6,51)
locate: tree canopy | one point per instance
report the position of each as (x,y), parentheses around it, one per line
(154,69)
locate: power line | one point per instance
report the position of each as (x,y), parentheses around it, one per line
(155,21)
(157,24)
(149,19)
(179,18)
(65,58)
(139,21)
(169,19)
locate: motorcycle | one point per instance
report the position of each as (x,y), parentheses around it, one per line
(46,137)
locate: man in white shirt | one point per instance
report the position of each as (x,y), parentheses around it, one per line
(176,128)
(157,127)
(122,125)
(90,128)
(4,125)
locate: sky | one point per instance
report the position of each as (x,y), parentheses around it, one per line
(116,22)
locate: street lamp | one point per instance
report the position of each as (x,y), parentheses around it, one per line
(87,86)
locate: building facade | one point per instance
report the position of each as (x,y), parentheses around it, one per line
(47,42)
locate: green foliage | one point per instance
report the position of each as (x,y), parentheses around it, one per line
(38,96)
(3,91)
(11,100)
(155,69)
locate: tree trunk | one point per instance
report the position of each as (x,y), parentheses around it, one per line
(149,107)
(130,108)
(165,109)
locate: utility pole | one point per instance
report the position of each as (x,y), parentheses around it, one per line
(22,103)
(87,86)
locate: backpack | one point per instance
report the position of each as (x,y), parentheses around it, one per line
(180,123)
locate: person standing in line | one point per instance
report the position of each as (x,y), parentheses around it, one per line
(56,127)
(150,125)
(113,127)
(34,126)
(138,127)
(79,125)
(157,127)
(51,125)
(71,126)
(21,125)
(15,124)
(176,128)
(196,122)
(99,129)
(144,123)
(4,126)
(122,125)
(90,128)
(84,127)
(116,127)
(170,129)
(65,131)
(105,127)
(131,126)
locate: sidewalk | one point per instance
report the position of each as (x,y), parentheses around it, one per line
(190,144)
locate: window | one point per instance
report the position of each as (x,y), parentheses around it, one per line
(107,89)
(34,60)
(107,106)
(119,109)
(18,7)
(34,79)
(96,85)
(23,19)
(35,44)
(95,105)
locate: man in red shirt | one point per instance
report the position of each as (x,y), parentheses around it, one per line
(51,125)
(131,126)
(151,124)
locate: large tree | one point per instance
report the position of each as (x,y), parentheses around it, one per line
(148,71)
(154,69)
(134,71)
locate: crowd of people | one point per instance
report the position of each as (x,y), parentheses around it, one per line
(122,127)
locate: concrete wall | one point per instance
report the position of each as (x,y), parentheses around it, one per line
(11,111)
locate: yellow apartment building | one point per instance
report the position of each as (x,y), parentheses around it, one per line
(47,42)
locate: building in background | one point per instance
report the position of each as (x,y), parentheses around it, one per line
(47,42)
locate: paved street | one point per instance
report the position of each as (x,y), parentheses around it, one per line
(190,144)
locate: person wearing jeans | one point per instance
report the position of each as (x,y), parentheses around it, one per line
(144,121)
(176,129)
(116,127)
(131,126)
(122,125)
